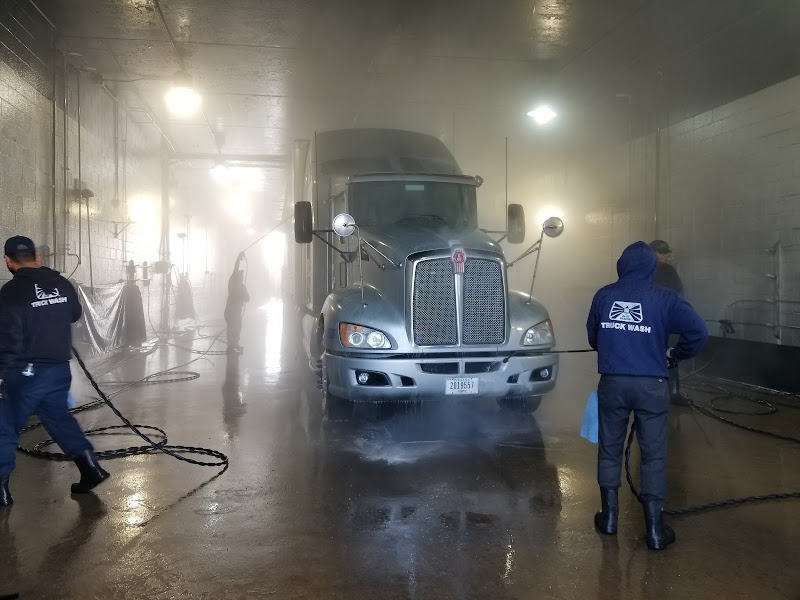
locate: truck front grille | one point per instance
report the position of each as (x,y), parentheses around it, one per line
(435,304)
(484,303)
(435,316)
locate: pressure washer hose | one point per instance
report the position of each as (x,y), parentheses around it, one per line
(151,445)
(709,413)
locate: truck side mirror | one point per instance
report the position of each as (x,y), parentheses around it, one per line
(303,223)
(516,224)
(344,225)
(553,227)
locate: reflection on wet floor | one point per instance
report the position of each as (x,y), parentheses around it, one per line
(453,500)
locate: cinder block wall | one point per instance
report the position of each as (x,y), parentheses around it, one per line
(729,196)
(26,156)
(732,194)
(125,183)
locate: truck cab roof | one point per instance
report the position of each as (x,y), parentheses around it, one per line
(346,152)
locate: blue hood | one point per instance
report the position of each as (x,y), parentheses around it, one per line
(638,261)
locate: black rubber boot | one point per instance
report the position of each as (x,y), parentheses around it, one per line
(659,534)
(92,474)
(5,493)
(606,520)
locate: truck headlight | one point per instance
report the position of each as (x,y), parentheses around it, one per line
(356,336)
(539,335)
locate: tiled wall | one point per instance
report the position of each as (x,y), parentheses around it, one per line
(26,205)
(732,181)
(26,177)
(729,193)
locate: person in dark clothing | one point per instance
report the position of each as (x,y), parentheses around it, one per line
(37,309)
(237,298)
(629,325)
(667,276)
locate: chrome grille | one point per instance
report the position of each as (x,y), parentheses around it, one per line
(484,303)
(434,308)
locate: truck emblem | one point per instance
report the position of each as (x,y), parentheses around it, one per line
(459,258)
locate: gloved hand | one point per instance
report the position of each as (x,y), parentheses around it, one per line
(672,362)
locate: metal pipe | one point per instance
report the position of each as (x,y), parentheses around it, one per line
(506,183)
(116,151)
(125,186)
(66,163)
(657,159)
(54,249)
(89,240)
(79,187)
(165,166)
(80,192)
(752,324)
(778,291)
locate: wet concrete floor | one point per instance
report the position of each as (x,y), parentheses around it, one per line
(463,501)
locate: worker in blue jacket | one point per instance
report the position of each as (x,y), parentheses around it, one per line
(629,325)
(37,309)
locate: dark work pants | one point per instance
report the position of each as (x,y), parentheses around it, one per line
(648,399)
(233,318)
(45,395)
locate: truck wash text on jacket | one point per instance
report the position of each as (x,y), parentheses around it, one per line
(630,321)
(37,308)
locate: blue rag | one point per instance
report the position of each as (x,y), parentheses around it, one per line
(590,425)
(70,400)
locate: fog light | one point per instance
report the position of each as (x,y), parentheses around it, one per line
(543,374)
(363,378)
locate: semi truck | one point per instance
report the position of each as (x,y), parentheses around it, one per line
(402,295)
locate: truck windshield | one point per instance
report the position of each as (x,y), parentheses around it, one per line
(422,203)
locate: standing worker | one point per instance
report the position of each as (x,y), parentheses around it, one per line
(629,326)
(234,307)
(37,308)
(667,276)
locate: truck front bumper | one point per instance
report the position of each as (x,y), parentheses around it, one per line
(391,378)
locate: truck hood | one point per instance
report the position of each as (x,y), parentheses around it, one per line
(398,242)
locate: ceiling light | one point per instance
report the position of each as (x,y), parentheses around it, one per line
(182,100)
(543,114)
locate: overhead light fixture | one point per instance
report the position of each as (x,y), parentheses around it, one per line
(182,100)
(543,114)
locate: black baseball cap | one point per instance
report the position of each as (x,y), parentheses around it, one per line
(660,246)
(19,244)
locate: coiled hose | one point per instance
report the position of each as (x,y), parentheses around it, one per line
(151,445)
(768,407)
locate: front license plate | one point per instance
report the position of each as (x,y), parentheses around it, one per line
(461,386)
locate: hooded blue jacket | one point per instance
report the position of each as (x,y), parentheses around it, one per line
(630,321)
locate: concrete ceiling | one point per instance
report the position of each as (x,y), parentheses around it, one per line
(273,70)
